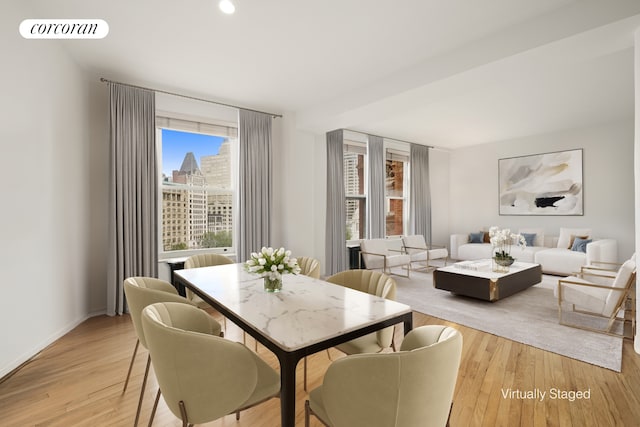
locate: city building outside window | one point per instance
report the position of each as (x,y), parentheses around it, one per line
(396,191)
(197,185)
(355,189)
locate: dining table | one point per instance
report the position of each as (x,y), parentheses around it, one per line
(307,316)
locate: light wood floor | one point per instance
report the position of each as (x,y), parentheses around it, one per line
(78,381)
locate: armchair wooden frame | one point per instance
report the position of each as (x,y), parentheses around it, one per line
(386,268)
(626,300)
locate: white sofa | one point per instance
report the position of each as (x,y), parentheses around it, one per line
(551,252)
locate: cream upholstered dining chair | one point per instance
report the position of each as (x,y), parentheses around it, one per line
(140,292)
(410,388)
(421,254)
(204,260)
(309,266)
(202,376)
(599,292)
(374,283)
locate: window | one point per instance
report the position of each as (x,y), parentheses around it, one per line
(396,189)
(355,189)
(197,185)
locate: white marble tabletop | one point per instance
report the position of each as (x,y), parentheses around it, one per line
(305,312)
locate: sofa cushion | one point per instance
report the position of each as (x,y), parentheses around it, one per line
(473,251)
(560,261)
(564,240)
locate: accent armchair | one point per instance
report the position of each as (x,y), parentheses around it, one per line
(411,388)
(601,294)
(377,255)
(421,254)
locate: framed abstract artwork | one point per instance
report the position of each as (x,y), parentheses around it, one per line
(541,184)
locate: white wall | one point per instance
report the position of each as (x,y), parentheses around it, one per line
(608,183)
(44,137)
(298,209)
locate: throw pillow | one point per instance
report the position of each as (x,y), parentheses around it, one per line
(573,238)
(539,232)
(529,238)
(564,239)
(580,244)
(486,238)
(476,237)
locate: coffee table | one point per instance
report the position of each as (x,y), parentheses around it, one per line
(477,280)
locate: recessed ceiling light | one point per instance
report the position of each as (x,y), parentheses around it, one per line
(227,7)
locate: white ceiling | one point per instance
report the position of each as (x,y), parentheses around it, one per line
(444,73)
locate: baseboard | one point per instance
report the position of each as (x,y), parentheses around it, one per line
(7,371)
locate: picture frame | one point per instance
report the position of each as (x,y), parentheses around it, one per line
(542,184)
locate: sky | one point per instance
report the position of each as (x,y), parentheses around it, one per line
(175,144)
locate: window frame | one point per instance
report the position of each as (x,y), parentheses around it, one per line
(397,151)
(357,148)
(210,128)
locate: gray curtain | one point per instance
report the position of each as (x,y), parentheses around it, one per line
(255,183)
(420,193)
(376,187)
(336,221)
(133,217)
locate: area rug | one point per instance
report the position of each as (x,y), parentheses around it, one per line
(529,317)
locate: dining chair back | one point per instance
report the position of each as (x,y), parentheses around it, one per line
(413,387)
(202,376)
(203,260)
(309,267)
(374,283)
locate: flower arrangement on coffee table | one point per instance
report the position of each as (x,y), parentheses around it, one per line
(271,264)
(501,241)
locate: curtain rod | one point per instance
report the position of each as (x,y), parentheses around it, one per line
(102,79)
(386,137)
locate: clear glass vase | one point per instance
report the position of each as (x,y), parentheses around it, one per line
(501,259)
(272,285)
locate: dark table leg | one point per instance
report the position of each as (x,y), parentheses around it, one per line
(408,323)
(288,362)
(173,266)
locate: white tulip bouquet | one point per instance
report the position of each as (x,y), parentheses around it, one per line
(272,263)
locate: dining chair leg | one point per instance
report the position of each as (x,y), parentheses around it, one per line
(144,383)
(306,413)
(133,357)
(155,406)
(183,414)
